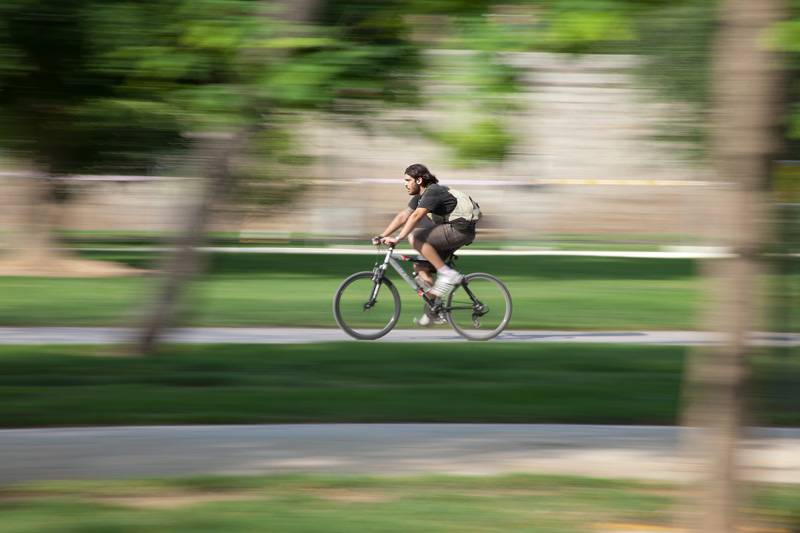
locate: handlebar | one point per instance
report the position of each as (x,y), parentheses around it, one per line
(377,241)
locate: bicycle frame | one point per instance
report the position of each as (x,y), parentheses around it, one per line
(380,271)
(390,260)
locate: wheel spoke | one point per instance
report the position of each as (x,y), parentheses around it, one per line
(481,310)
(361,316)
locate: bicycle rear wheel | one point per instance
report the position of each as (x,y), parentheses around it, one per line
(479,309)
(366,311)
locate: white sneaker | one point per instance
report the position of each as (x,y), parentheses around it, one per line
(426,320)
(423,321)
(445,284)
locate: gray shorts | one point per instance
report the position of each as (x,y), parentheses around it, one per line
(445,238)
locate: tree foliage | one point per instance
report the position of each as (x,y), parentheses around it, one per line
(101,85)
(112,85)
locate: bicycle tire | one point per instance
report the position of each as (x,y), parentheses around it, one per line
(459,294)
(355,328)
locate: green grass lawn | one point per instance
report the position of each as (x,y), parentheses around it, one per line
(364,382)
(297,290)
(341,504)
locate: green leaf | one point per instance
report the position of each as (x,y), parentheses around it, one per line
(297,42)
(579,28)
(785,36)
(485,140)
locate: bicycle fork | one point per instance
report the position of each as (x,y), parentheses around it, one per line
(377,280)
(373,297)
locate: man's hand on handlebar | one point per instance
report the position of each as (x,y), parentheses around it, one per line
(380,239)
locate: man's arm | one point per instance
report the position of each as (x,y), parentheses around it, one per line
(411,222)
(397,221)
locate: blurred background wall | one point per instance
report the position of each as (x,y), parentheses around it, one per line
(587,159)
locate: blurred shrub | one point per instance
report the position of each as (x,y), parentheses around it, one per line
(483,140)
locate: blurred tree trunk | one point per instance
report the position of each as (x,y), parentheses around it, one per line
(187,261)
(32,247)
(31,237)
(746,84)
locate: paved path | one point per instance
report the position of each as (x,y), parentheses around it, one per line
(65,335)
(635,452)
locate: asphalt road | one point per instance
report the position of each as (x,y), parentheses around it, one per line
(605,451)
(94,335)
(630,452)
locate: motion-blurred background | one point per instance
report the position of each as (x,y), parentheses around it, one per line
(571,121)
(659,138)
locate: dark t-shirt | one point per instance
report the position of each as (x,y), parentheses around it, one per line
(437,200)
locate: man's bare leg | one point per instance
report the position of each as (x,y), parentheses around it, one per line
(422,271)
(425,273)
(445,275)
(426,250)
(433,257)
(430,253)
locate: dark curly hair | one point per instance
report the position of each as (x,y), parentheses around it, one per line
(421,171)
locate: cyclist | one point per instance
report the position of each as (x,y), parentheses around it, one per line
(427,225)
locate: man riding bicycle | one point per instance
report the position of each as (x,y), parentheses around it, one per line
(437,222)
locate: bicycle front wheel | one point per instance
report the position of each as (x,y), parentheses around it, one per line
(364,309)
(479,308)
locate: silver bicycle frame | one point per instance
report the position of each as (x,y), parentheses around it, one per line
(390,260)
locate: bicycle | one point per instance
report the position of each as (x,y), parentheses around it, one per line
(367,304)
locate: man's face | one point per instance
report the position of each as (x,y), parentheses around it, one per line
(411,185)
